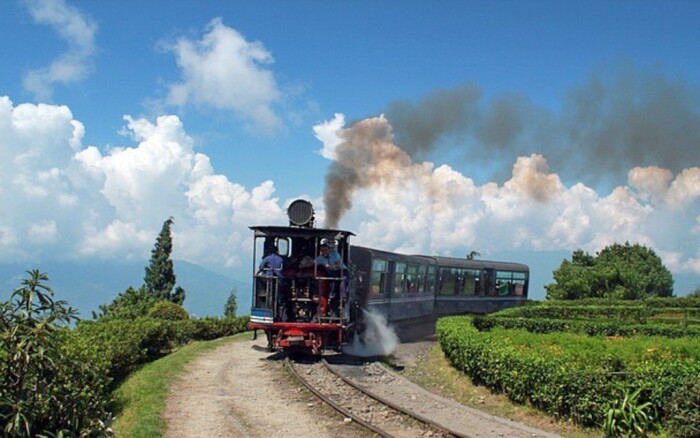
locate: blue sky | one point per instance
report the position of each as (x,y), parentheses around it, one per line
(580,114)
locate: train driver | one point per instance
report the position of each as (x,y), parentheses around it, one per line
(271,266)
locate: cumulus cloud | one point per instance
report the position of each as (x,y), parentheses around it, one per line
(59,202)
(62,199)
(224,71)
(400,204)
(77,30)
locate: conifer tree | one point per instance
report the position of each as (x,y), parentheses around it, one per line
(231,304)
(160,275)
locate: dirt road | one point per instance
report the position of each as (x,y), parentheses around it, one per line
(239,390)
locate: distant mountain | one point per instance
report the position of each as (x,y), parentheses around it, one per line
(87,285)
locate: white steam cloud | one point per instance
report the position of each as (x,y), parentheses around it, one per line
(378,339)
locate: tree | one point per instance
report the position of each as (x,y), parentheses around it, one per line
(231,304)
(160,275)
(472,254)
(618,271)
(695,293)
(130,304)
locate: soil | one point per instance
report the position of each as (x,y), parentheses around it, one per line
(240,390)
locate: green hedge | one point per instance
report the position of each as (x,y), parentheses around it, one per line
(651,302)
(121,345)
(571,375)
(639,313)
(590,327)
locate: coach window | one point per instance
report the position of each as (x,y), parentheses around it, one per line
(448,277)
(399,278)
(470,281)
(412,279)
(421,278)
(506,281)
(379,276)
(519,279)
(430,280)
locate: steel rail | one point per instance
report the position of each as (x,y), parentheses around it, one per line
(335,405)
(393,405)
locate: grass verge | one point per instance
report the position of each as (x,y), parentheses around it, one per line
(434,372)
(141,398)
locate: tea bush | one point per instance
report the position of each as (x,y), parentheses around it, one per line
(684,412)
(571,375)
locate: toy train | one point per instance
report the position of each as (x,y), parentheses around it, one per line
(302,302)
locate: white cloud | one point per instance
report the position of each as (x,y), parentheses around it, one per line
(224,71)
(437,210)
(64,203)
(79,33)
(327,133)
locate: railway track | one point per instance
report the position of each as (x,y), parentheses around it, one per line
(375,413)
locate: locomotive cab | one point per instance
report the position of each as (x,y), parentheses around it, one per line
(301,287)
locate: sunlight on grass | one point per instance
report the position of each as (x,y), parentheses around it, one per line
(142,397)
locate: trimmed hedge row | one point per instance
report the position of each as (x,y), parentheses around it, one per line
(121,345)
(589,327)
(571,375)
(639,313)
(651,302)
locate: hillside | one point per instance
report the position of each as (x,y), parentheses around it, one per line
(87,285)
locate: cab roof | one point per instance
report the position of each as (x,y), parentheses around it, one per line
(303,232)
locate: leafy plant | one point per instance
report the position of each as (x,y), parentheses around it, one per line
(684,412)
(168,310)
(45,390)
(630,418)
(129,305)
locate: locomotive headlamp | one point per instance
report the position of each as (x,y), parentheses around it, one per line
(301,213)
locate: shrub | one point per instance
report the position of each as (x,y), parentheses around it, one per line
(684,412)
(483,323)
(571,375)
(168,310)
(130,304)
(45,389)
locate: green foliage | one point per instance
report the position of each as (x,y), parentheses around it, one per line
(483,323)
(694,294)
(684,412)
(130,304)
(572,375)
(628,418)
(619,271)
(231,304)
(160,275)
(45,389)
(168,310)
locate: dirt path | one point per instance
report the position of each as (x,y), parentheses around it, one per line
(239,390)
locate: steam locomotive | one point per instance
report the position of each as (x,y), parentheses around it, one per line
(306,303)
